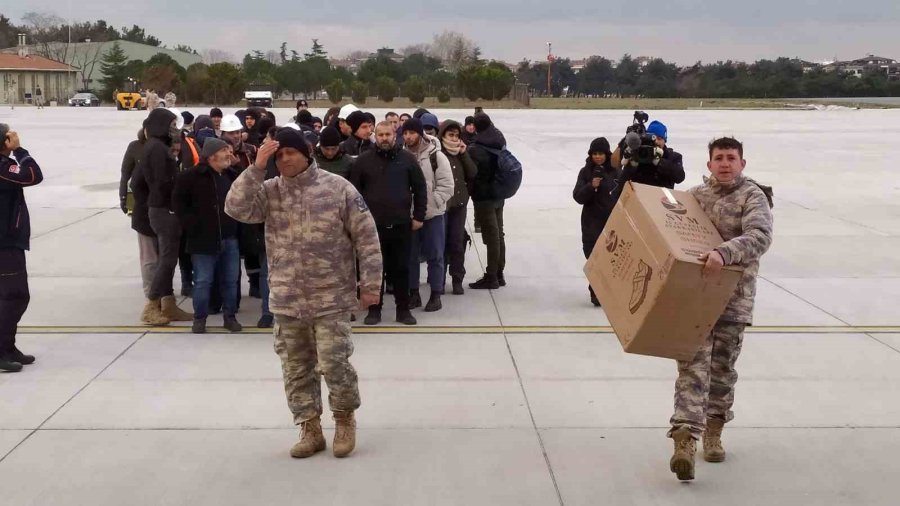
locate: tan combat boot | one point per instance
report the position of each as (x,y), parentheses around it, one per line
(682,463)
(344,433)
(312,441)
(152,315)
(712,441)
(171,310)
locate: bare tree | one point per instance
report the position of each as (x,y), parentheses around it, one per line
(213,56)
(273,57)
(357,54)
(423,48)
(44,28)
(85,58)
(453,48)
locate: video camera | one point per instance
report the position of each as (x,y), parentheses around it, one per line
(640,146)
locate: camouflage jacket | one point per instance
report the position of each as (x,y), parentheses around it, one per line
(317,225)
(742,214)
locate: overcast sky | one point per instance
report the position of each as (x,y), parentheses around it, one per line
(683,31)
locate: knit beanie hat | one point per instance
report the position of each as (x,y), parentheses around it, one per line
(414,125)
(356,119)
(470,120)
(330,137)
(188,117)
(211,147)
(304,117)
(658,129)
(599,145)
(290,138)
(482,122)
(430,120)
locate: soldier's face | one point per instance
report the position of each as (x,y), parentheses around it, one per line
(290,162)
(726,165)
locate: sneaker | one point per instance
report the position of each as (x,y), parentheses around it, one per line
(199,326)
(232,325)
(266,321)
(18,356)
(488,282)
(373,318)
(9,365)
(405,317)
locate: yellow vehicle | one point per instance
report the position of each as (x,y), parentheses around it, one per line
(130,98)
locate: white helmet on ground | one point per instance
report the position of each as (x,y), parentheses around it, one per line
(231,123)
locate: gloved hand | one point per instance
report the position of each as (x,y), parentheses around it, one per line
(658,153)
(123,204)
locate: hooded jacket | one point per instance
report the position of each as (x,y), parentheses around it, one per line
(199,202)
(131,159)
(317,227)
(483,190)
(159,167)
(354,146)
(438,180)
(339,165)
(391,183)
(597,203)
(742,214)
(16,172)
(464,169)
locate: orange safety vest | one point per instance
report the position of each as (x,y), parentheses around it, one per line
(192,144)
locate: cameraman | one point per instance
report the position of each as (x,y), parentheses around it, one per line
(664,169)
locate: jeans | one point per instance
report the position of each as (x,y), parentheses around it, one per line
(168,234)
(264,282)
(429,242)
(226,264)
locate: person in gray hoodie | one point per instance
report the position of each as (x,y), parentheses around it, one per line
(430,240)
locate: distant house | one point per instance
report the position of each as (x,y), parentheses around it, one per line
(22,74)
(388,53)
(861,66)
(86,57)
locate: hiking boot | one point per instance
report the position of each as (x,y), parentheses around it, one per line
(7,364)
(171,310)
(373,318)
(312,441)
(344,433)
(458,287)
(405,317)
(682,463)
(199,326)
(187,290)
(232,325)
(500,279)
(434,303)
(488,282)
(712,441)
(254,285)
(152,314)
(415,299)
(266,321)
(18,356)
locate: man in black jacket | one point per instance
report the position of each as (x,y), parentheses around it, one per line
(488,207)
(159,169)
(360,139)
(666,169)
(391,182)
(199,202)
(18,170)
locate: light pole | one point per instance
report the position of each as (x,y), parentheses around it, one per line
(549,67)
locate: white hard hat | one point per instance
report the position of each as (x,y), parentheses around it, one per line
(347,110)
(292,126)
(179,119)
(231,123)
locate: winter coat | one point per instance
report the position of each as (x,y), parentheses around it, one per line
(140,213)
(391,183)
(742,214)
(464,171)
(16,172)
(317,228)
(354,146)
(339,165)
(160,168)
(438,176)
(199,203)
(129,162)
(597,203)
(668,173)
(483,190)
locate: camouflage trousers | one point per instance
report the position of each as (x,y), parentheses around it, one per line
(705,385)
(310,349)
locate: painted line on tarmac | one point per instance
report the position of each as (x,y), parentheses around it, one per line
(491,329)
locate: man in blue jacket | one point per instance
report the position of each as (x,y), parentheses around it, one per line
(17,171)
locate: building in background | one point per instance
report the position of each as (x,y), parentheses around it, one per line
(23,73)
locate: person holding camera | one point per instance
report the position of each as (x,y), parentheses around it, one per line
(645,158)
(594,191)
(18,170)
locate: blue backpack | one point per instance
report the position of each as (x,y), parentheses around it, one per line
(508,177)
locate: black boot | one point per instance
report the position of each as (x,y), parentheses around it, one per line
(254,285)
(488,282)
(232,325)
(7,364)
(374,316)
(199,326)
(18,356)
(405,317)
(187,290)
(458,286)
(434,303)
(415,299)
(266,321)
(500,279)
(594,300)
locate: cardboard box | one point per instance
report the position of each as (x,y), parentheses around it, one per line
(646,273)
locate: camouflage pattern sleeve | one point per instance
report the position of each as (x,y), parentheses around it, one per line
(247,201)
(360,225)
(756,237)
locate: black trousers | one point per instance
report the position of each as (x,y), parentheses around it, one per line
(455,257)
(490,215)
(168,232)
(396,247)
(587,245)
(14,296)
(185,264)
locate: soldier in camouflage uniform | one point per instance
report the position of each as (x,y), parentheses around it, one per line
(317,226)
(704,392)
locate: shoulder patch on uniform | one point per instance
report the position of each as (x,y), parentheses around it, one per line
(361,204)
(14,169)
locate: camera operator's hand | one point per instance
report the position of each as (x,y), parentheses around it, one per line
(658,153)
(595,183)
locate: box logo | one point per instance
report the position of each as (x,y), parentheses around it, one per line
(612,241)
(674,207)
(640,283)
